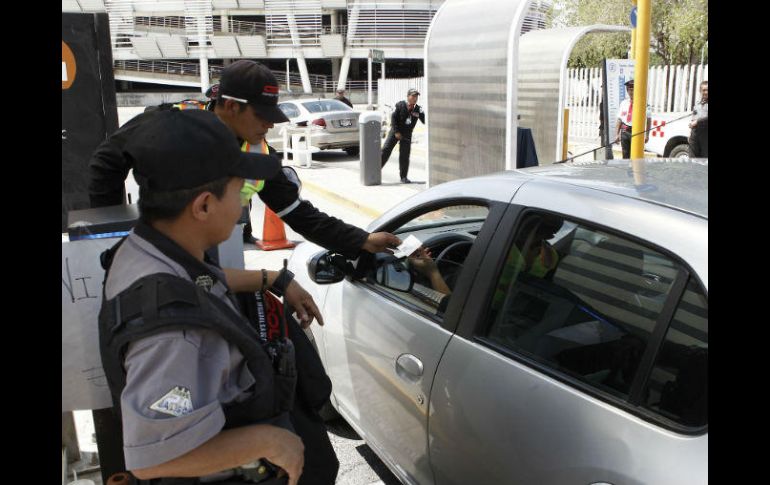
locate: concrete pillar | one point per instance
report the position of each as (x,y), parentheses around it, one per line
(202,54)
(225,23)
(204,72)
(335,68)
(295,40)
(352,26)
(344,68)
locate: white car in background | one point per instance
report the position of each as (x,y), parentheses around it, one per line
(333,124)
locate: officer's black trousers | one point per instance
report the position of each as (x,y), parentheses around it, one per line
(321,464)
(699,141)
(404,149)
(625,143)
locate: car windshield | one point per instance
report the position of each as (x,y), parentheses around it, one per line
(323,105)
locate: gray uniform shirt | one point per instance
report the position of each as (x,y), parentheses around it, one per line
(701,111)
(176,381)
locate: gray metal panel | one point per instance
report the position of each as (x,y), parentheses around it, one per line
(468,71)
(543,56)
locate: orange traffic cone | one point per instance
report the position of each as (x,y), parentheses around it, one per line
(273,233)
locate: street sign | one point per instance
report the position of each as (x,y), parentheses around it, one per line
(633,16)
(377,56)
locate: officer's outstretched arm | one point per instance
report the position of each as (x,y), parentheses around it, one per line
(232,448)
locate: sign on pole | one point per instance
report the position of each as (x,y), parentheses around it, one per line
(377,56)
(615,74)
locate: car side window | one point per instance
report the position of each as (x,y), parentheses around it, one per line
(289,110)
(677,387)
(424,280)
(579,300)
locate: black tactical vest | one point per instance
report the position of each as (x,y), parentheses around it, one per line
(163,302)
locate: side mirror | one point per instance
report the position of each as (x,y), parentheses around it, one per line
(326,268)
(394,275)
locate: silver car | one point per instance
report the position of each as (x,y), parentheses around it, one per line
(333,124)
(556,332)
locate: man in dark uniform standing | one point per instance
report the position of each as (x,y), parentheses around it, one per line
(341,97)
(402,123)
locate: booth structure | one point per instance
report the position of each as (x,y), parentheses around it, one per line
(542,83)
(481,74)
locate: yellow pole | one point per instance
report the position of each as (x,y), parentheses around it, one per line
(565,135)
(639,118)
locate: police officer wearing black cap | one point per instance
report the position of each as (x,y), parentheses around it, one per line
(402,123)
(204,394)
(246,102)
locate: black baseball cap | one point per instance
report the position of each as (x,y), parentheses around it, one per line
(630,82)
(250,82)
(176,150)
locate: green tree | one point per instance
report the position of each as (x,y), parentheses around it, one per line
(678,29)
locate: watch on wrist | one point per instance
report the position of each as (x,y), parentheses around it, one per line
(282,282)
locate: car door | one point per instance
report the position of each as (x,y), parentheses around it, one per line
(571,360)
(383,355)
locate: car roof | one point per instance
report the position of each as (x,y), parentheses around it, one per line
(680,184)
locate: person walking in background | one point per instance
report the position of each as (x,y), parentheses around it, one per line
(699,126)
(625,115)
(341,97)
(402,123)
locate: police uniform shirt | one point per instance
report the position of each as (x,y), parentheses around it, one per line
(624,111)
(176,381)
(701,111)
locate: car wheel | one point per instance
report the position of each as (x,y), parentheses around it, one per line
(680,151)
(352,151)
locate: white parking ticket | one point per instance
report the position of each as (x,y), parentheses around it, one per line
(410,245)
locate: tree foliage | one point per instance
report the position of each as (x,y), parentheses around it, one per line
(678,30)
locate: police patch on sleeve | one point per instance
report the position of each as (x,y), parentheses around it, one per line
(177,402)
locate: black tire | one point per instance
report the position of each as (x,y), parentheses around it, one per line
(352,151)
(680,151)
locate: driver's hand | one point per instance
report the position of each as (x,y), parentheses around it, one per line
(422,261)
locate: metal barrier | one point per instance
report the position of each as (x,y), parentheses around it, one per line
(302,151)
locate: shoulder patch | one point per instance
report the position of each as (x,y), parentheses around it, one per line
(177,402)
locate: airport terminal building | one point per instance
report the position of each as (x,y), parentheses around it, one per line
(317,45)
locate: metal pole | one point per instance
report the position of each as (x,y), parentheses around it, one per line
(565,135)
(288,84)
(639,118)
(370,80)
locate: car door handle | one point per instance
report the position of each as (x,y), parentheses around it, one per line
(409,367)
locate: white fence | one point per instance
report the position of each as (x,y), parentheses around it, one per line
(391,91)
(669,89)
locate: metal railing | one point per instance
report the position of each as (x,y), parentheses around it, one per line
(318,82)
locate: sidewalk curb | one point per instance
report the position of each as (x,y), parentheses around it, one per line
(334,197)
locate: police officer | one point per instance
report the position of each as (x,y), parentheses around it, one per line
(341,97)
(625,114)
(402,123)
(699,125)
(204,396)
(246,102)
